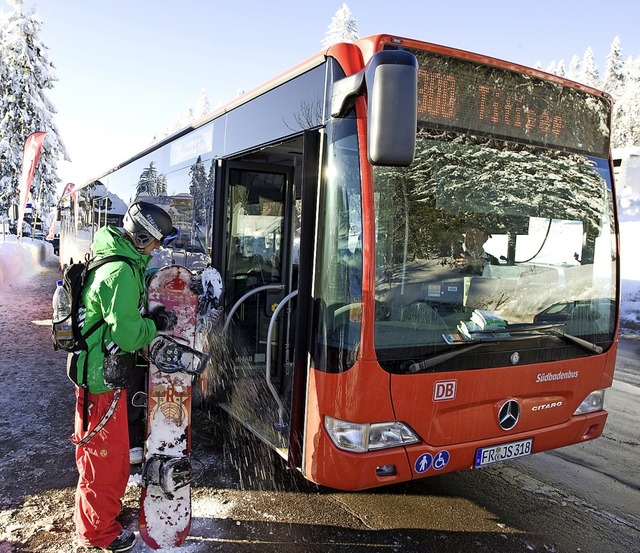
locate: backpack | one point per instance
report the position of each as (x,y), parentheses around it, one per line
(74,279)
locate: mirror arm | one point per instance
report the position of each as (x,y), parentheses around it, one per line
(344,93)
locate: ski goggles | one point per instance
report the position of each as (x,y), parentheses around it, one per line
(166,240)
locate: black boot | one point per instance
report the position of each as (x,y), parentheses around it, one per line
(124,542)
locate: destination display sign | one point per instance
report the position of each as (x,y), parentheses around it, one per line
(465,96)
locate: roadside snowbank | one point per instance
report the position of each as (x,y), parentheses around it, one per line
(21,258)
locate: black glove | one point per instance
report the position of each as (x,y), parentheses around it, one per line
(163,319)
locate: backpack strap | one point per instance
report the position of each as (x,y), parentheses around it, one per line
(85,395)
(94,264)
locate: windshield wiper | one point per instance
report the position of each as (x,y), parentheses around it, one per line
(432,361)
(548,329)
(552,330)
(584,344)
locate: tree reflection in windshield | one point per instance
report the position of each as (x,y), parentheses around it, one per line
(477,224)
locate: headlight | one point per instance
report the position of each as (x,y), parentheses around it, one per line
(593,402)
(352,436)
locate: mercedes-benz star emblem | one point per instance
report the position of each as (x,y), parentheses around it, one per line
(509,414)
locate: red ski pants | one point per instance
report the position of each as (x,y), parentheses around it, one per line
(103,467)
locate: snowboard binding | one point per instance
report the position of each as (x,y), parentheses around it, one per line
(168,473)
(171,356)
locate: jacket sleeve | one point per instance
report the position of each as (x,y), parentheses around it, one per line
(120,296)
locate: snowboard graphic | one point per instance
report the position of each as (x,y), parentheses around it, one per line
(165,502)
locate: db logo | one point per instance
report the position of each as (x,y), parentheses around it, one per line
(444,389)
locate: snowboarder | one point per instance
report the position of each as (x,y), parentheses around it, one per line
(114,293)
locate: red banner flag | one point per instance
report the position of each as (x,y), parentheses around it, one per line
(32,147)
(68,190)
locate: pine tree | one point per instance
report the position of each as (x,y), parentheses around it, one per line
(456,173)
(613,79)
(203,106)
(25,74)
(633,103)
(208,202)
(589,72)
(621,81)
(198,189)
(574,69)
(343,28)
(614,83)
(626,130)
(151,182)
(161,185)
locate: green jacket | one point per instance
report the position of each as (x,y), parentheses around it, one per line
(115,293)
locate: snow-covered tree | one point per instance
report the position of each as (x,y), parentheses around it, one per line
(613,82)
(203,106)
(198,189)
(613,79)
(25,74)
(574,68)
(208,201)
(468,174)
(553,67)
(626,128)
(151,182)
(589,71)
(193,113)
(620,80)
(343,28)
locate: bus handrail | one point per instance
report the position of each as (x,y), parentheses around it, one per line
(247,295)
(267,375)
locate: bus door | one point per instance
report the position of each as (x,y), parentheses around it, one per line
(259,297)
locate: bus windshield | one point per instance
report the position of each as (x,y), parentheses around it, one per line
(481,237)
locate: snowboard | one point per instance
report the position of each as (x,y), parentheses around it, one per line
(165,502)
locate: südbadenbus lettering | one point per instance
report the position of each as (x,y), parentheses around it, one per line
(548,377)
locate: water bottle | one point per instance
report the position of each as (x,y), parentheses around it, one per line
(62,317)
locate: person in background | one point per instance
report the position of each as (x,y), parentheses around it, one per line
(473,256)
(113,293)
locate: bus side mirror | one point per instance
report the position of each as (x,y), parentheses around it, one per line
(392,85)
(390,80)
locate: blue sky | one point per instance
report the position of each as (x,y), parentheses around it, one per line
(127,68)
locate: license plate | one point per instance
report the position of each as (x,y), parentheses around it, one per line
(489,455)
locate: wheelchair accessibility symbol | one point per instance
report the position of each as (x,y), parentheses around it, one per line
(441,459)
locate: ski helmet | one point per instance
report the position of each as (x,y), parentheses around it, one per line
(145,221)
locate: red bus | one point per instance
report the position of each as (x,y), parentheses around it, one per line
(419,251)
